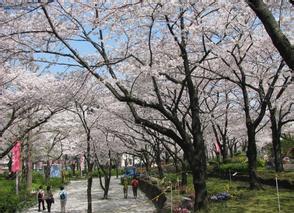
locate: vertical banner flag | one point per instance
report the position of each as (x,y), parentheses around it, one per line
(217,148)
(16,158)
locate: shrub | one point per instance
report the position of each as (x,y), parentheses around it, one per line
(113,172)
(9,201)
(171,178)
(38,178)
(169,168)
(260,163)
(240,158)
(233,167)
(213,163)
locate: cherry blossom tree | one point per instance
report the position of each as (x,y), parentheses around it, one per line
(256,76)
(156,57)
(280,114)
(85,107)
(281,39)
(180,107)
(28,100)
(27,103)
(55,139)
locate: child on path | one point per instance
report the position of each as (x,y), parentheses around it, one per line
(49,198)
(135,184)
(40,196)
(125,186)
(63,198)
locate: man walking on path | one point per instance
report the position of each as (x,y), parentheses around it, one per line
(135,184)
(63,198)
(125,186)
(41,196)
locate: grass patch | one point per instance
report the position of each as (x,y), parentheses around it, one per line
(10,202)
(267,174)
(243,199)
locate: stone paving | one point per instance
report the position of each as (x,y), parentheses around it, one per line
(77,199)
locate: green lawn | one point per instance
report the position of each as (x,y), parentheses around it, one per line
(265,173)
(243,199)
(10,202)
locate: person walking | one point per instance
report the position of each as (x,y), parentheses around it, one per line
(49,198)
(63,198)
(135,184)
(125,186)
(41,196)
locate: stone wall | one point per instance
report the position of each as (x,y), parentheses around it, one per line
(154,193)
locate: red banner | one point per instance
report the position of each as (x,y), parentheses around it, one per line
(16,158)
(217,148)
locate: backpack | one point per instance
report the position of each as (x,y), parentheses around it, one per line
(135,183)
(62,196)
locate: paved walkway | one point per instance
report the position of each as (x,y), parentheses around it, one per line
(77,199)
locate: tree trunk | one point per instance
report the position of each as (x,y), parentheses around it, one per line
(63,165)
(176,160)
(29,173)
(276,135)
(73,169)
(252,158)
(107,176)
(277,36)
(24,169)
(116,168)
(167,156)
(184,177)
(224,132)
(106,185)
(89,187)
(47,169)
(217,140)
(231,149)
(197,161)
(158,161)
(212,154)
(9,164)
(160,170)
(224,149)
(235,148)
(244,145)
(277,152)
(147,165)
